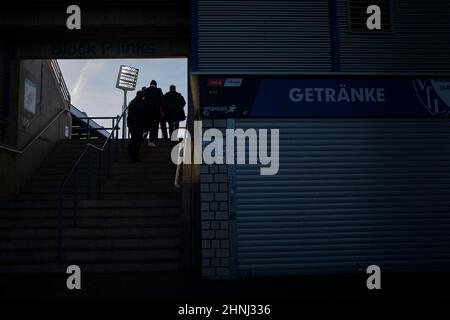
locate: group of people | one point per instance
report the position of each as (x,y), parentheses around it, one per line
(149,109)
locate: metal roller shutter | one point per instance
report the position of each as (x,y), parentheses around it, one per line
(262,36)
(349,193)
(419,40)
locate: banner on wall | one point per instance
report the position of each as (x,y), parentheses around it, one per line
(237,97)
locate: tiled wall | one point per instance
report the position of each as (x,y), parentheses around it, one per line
(215,215)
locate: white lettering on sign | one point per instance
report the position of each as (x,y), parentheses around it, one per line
(332,95)
(102,48)
(237,82)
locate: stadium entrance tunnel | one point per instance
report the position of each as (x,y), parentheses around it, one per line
(90,207)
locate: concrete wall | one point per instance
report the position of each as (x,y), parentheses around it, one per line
(3,83)
(16,169)
(9,79)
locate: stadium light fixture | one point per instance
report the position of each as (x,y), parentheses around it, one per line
(126,81)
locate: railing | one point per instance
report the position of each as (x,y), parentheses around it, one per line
(88,129)
(60,80)
(30,143)
(74,174)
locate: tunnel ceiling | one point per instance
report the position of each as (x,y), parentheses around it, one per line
(33,27)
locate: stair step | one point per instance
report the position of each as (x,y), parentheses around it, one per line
(93,204)
(50,179)
(83,165)
(82,222)
(142,167)
(105,213)
(141,196)
(90,233)
(148,254)
(141,179)
(136,226)
(73,155)
(90,244)
(125,186)
(136,195)
(130,175)
(105,267)
(58,173)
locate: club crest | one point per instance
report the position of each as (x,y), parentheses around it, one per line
(434,95)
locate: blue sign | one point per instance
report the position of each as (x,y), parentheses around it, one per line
(236,97)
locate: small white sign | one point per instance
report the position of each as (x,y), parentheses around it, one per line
(233,82)
(30,95)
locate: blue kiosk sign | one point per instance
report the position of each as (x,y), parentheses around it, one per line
(235,97)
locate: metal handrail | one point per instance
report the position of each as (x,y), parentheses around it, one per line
(60,80)
(88,128)
(89,145)
(73,173)
(29,144)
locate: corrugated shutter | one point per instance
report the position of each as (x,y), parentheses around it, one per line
(419,42)
(263,36)
(349,193)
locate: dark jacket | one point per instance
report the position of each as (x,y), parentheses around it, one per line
(174,106)
(136,110)
(153,100)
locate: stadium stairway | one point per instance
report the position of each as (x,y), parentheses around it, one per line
(136,225)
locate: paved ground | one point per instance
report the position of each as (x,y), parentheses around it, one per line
(161,296)
(190,287)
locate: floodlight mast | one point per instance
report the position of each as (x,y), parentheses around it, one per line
(126,81)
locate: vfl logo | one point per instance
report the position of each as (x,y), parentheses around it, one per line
(434,95)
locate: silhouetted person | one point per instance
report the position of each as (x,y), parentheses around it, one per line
(153,103)
(136,110)
(174,108)
(163,123)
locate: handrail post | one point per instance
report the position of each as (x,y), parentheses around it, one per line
(88,129)
(108,167)
(89,175)
(100,175)
(113,126)
(75,199)
(117,140)
(60,224)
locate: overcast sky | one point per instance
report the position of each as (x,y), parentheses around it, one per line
(92,83)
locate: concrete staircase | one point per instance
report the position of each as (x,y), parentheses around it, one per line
(135,226)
